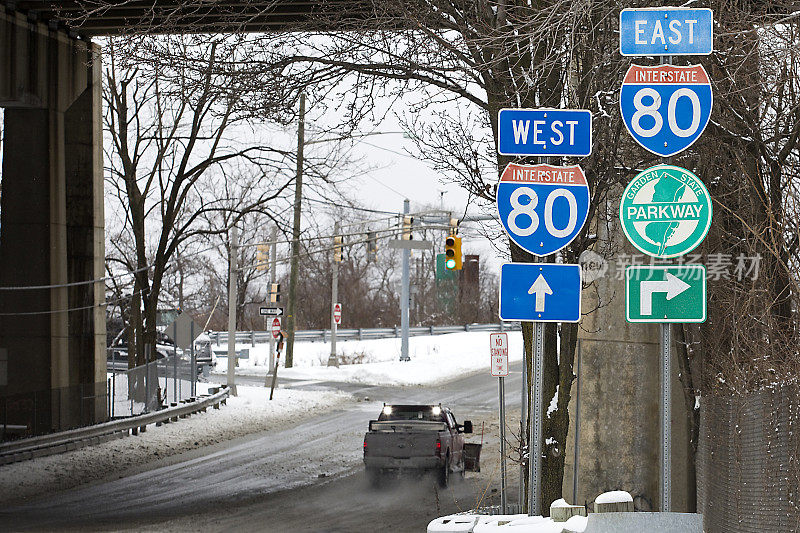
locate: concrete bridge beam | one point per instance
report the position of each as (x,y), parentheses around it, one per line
(51,227)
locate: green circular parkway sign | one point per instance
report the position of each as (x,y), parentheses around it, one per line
(665,211)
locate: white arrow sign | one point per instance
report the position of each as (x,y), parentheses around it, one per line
(540,288)
(672,286)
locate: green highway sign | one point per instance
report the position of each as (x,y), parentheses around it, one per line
(665,293)
(665,211)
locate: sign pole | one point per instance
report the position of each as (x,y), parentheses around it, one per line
(535,440)
(273,251)
(232,278)
(666,396)
(332,359)
(503,496)
(404,296)
(523,419)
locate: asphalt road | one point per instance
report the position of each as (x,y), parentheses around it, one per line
(261,482)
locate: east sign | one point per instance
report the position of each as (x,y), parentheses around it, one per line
(666,31)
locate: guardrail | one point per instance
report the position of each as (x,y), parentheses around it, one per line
(323,335)
(73,439)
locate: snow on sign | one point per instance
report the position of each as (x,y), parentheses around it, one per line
(276,327)
(666,107)
(665,211)
(544,132)
(542,207)
(672,31)
(337,313)
(498,349)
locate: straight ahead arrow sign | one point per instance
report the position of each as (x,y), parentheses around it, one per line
(672,286)
(540,288)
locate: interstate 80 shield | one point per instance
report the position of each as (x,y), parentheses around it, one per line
(666,107)
(542,207)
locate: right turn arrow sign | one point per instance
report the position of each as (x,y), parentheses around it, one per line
(672,286)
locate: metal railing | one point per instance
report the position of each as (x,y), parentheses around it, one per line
(324,335)
(64,441)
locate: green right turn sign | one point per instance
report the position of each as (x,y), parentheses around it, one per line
(665,293)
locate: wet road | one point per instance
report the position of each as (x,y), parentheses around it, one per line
(307,478)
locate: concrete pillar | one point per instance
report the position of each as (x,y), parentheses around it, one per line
(51,228)
(620,395)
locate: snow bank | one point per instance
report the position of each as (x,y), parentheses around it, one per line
(614,496)
(250,412)
(434,359)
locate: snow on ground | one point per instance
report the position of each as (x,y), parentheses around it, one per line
(250,412)
(434,359)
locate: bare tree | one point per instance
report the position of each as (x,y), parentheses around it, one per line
(170,125)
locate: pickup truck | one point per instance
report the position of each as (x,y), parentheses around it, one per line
(415,438)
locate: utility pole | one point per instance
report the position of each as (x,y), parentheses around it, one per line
(272,276)
(404,294)
(232,278)
(333,360)
(298,195)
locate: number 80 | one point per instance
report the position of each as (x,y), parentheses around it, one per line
(652,110)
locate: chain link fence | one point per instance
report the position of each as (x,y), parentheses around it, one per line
(147,387)
(747,462)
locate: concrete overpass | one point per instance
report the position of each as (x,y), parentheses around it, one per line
(52,361)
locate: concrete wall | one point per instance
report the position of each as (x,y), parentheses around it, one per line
(620,401)
(51,227)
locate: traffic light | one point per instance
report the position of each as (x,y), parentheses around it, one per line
(274,293)
(452,252)
(337,249)
(262,257)
(408,221)
(372,247)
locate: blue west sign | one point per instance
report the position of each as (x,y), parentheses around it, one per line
(544,132)
(542,207)
(668,31)
(540,292)
(666,107)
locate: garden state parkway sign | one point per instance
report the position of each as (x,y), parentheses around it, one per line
(665,211)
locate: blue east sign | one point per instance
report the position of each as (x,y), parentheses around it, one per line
(540,292)
(544,132)
(670,31)
(666,107)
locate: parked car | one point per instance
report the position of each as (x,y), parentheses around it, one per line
(415,438)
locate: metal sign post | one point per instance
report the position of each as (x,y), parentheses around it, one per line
(666,404)
(498,349)
(503,496)
(535,440)
(332,359)
(523,420)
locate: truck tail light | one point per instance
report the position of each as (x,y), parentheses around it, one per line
(438,447)
(365,446)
